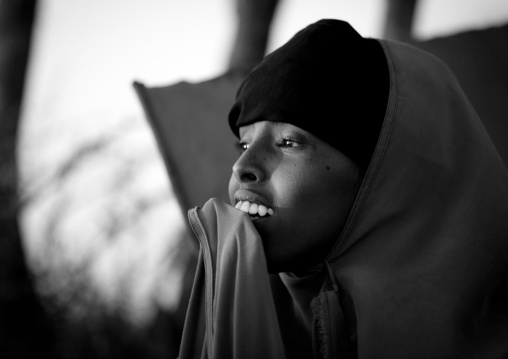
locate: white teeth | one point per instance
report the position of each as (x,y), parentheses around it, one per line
(262,210)
(245,207)
(253,208)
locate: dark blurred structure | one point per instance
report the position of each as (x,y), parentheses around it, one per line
(479,59)
(195,142)
(25,330)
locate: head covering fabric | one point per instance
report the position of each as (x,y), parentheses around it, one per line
(421,267)
(327,80)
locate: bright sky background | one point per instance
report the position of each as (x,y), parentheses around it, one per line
(87,53)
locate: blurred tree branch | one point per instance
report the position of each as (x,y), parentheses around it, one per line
(254,19)
(25,330)
(89,324)
(399,20)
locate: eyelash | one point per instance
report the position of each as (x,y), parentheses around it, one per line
(283,143)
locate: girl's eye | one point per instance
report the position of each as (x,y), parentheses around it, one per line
(242,146)
(287,143)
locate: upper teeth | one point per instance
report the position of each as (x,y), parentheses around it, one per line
(253,208)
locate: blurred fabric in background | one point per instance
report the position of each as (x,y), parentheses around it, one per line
(102,221)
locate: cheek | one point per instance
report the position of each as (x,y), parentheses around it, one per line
(289,185)
(329,204)
(323,190)
(307,181)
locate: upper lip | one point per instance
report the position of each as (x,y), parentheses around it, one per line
(251,196)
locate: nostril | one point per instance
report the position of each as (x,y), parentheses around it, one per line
(248,177)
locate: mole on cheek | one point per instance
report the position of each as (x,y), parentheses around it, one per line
(328,168)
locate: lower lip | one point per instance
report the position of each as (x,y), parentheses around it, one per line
(259,218)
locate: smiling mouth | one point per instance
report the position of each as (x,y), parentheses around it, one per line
(254,210)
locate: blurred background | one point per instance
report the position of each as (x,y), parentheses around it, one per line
(95,257)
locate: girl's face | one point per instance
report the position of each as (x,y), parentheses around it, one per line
(298,189)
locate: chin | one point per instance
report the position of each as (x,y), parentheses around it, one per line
(283,263)
(276,263)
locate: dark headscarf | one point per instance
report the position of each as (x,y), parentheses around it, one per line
(327,80)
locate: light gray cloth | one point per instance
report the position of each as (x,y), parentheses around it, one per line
(231,312)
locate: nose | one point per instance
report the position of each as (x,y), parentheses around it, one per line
(250,166)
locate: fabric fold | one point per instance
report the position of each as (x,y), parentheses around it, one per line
(231,311)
